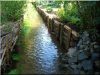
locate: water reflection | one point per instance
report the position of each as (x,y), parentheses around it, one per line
(39,54)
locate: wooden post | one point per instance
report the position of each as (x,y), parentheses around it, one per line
(61,33)
(66,36)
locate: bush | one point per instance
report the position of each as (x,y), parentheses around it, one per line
(89,13)
(69,13)
(61,14)
(74,20)
(11,10)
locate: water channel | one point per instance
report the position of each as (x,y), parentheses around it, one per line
(39,53)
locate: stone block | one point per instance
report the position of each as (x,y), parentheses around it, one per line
(76,71)
(97,63)
(71,51)
(87,65)
(72,60)
(73,66)
(95,56)
(82,56)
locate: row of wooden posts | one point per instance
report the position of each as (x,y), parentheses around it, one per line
(8,40)
(66,36)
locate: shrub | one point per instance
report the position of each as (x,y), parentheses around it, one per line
(62,15)
(74,20)
(69,13)
(11,10)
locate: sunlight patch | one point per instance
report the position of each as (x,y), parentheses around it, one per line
(30,16)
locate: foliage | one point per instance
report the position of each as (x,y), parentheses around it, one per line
(62,15)
(49,9)
(14,71)
(82,13)
(11,10)
(16,57)
(69,12)
(89,13)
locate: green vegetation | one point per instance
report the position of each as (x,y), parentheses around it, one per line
(89,13)
(85,15)
(14,72)
(11,10)
(49,9)
(16,57)
(68,12)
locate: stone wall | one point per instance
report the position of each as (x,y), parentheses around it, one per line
(8,39)
(84,58)
(66,36)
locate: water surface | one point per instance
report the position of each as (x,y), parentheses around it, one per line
(39,54)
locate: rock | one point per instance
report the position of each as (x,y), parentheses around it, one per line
(64,60)
(89,72)
(97,63)
(96,46)
(64,65)
(82,56)
(87,65)
(88,53)
(82,72)
(85,33)
(72,60)
(82,47)
(81,50)
(93,43)
(76,71)
(79,66)
(95,56)
(73,66)
(80,42)
(97,73)
(88,42)
(71,51)
(75,54)
(91,49)
(86,48)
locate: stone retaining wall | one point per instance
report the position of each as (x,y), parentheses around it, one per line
(7,42)
(63,33)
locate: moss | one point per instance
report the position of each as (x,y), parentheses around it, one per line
(14,71)
(16,57)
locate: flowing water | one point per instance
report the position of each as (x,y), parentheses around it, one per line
(39,54)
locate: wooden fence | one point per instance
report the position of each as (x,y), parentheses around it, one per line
(66,36)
